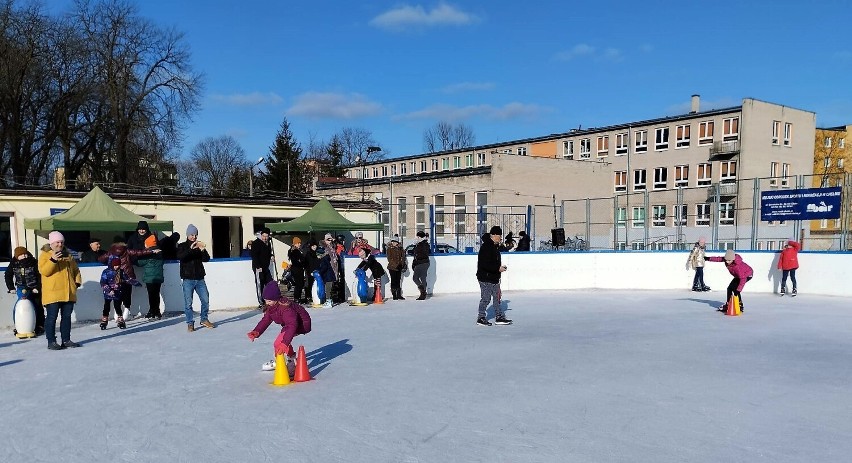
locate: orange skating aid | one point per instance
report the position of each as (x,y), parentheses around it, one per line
(733,307)
(378,299)
(302,372)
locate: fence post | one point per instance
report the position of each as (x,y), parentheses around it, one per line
(755,212)
(588,225)
(647,226)
(714,217)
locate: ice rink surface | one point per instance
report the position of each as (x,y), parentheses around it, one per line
(585,376)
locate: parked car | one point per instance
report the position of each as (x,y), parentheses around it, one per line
(440,248)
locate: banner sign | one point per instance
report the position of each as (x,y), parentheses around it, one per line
(803,204)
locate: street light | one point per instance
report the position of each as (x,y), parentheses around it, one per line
(360,160)
(251,175)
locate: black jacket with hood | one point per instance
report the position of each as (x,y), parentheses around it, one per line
(488,262)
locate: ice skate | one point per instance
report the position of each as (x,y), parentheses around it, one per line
(104,321)
(783,291)
(794,293)
(120,323)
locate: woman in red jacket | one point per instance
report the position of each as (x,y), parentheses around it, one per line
(788,263)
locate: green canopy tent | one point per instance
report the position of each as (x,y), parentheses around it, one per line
(320,218)
(95,212)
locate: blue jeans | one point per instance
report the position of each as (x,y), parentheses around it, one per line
(200,287)
(53,310)
(792,274)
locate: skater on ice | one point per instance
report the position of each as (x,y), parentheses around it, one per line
(695,261)
(397,265)
(369,262)
(113,280)
(22,277)
(292,317)
(788,263)
(489,268)
(420,263)
(741,272)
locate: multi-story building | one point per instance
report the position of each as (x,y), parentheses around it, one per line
(657,184)
(832,161)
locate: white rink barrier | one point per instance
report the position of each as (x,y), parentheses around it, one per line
(231,283)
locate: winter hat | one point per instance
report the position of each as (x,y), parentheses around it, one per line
(297,241)
(729,255)
(522,233)
(55,236)
(359,235)
(192,230)
(312,243)
(701,241)
(265,230)
(495,230)
(421,234)
(151,241)
(329,236)
(114,261)
(19,251)
(143,225)
(271,292)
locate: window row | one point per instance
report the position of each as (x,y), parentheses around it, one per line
(704,176)
(679,215)
(424,166)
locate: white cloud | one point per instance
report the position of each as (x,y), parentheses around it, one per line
(468,87)
(333,105)
(451,113)
(249,99)
(415,15)
(584,50)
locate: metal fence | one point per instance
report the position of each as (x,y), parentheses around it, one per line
(726,214)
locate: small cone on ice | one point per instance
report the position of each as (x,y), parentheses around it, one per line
(734,307)
(302,372)
(282,377)
(378,299)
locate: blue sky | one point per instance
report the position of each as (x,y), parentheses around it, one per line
(507,69)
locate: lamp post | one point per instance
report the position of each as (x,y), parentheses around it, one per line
(251,176)
(361,160)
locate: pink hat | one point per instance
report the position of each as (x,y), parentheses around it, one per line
(701,241)
(54,237)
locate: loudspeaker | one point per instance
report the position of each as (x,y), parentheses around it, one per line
(557,236)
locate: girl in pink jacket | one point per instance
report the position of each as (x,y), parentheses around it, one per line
(788,263)
(740,271)
(292,317)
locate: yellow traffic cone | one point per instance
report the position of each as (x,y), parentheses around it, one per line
(282,377)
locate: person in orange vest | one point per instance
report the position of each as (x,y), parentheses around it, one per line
(788,263)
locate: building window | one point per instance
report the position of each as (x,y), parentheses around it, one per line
(725,245)
(659,217)
(770,245)
(393,169)
(522,151)
(760,245)
(585,148)
(705,174)
(841,144)
(661,139)
(839,163)
(621,246)
(661,178)
(728,172)
(603,146)
(639,178)
(468,160)
(621,180)
(386,214)
(423,166)
(384,171)
(823,223)
(568,149)
(679,214)
(480,159)
(788,133)
(621,143)
(456,162)
(459,210)
(641,141)
(705,133)
(731,129)
(434,165)
(402,216)
(776,132)
(439,215)
(681,176)
(621,217)
(638,245)
(445,163)
(375,172)
(402,168)
(827,142)
(682,136)
(823,183)
(419,213)
(702,215)
(638,217)
(481,212)
(773,174)
(413,167)
(726,214)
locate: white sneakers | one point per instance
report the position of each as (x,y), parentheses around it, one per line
(291,365)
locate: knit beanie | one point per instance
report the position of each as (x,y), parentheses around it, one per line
(19,251)
(114,261)
(495,230)
(421,234)
(192,230)
(151,241)
(143,225)
(55,236)
(729,255)
(271,292)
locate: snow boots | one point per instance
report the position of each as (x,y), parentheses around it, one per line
(397,294)
(422,293)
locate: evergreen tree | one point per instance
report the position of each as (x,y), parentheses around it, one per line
(334,153)
(285,170)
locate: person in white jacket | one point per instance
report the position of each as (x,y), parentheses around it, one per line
(696,262)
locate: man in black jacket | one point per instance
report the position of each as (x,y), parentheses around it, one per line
(192,255)
(261,256)
(488,269)
(523,242)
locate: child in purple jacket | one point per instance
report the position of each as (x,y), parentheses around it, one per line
(292,317)
(741,272)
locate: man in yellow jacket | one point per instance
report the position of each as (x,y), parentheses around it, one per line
(60,279)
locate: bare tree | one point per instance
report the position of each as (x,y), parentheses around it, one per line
(831,155)
(354,144)
(213,165)
(444,136)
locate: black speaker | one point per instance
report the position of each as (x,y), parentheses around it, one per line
(557,236)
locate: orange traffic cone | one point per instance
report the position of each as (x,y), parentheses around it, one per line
(378,299)
(302,373)
(733,306)
(282,376)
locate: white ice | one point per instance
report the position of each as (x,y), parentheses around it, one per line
(582,376)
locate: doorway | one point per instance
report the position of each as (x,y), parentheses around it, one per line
(227,237)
